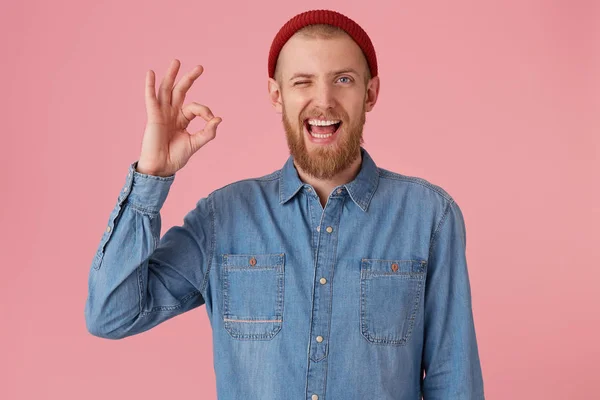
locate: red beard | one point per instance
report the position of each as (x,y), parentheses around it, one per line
(325,162)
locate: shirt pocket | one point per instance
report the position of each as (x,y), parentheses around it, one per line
(391,293)
(253,289)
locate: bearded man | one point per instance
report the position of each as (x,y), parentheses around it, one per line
(330,278)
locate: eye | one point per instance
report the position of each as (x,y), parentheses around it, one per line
(300,83)
(346,77)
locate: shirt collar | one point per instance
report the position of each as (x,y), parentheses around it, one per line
(361,189)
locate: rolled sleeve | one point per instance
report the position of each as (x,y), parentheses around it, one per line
(147,192)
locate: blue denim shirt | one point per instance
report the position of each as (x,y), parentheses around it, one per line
(356,300)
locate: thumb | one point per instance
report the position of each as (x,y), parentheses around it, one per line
(207,134)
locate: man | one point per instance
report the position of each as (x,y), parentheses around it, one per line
(330,278)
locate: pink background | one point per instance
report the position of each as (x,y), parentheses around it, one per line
(497,103)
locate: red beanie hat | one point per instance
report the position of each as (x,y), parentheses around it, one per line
(322,17)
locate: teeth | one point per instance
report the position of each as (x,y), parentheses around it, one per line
(321,123)
(321,136)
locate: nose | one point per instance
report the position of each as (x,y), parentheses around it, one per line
(324,96)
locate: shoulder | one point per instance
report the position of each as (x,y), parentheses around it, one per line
(423,195)
(247,186)
(414,185)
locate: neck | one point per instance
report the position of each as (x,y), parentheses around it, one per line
(323,187)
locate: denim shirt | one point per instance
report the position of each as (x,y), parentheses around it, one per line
(365,298)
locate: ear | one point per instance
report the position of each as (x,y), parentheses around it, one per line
(275,95)
(372,93)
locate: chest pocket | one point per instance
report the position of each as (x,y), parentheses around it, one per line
(253,288)
(391,294)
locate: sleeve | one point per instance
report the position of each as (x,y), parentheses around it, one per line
(136,280)
(450,355)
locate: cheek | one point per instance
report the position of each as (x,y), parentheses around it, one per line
(295,103)
(351,103)
(292,113)
(355,110)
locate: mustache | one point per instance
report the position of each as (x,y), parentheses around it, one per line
(321,115)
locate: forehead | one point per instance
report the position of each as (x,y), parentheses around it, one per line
(312,55)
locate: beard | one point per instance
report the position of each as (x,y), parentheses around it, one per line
(325,161)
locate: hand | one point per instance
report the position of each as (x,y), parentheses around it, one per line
(167,146)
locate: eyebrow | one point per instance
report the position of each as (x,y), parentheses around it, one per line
(341,71)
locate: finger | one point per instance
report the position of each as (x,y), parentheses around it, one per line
(166,86)
(205,135)
(182,87)
(194,109)
(150,93)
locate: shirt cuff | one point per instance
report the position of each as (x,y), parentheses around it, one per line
(144,191)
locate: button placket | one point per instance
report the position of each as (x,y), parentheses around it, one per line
(326,259)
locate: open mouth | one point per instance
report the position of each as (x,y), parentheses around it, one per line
(322,129)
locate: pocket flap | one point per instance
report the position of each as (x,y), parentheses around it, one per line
(253,260)
(372,266)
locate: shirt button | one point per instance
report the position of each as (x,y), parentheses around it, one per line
(329,229)
(125,189)
(339,191)
(309,189)
(253,261)
(323,281)
(108,229)
(318,228)
(314,397)
(319,339)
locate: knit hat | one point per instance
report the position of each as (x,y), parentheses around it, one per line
(322,17)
